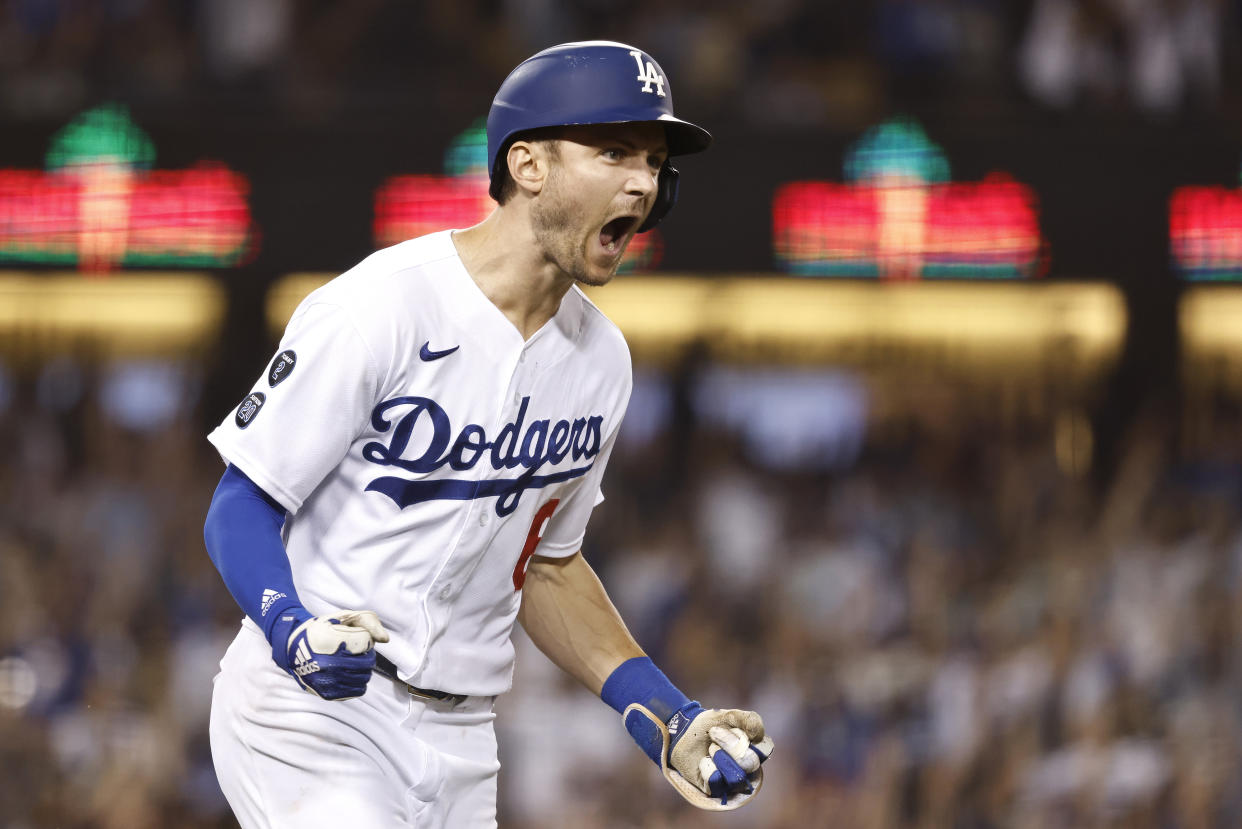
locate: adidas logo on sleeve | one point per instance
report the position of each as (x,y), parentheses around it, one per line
(269,598)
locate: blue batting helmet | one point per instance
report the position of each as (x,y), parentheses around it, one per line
(591,82)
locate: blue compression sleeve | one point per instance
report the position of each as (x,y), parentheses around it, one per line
(639,680)
(242,533)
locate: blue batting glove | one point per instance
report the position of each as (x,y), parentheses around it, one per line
(329,656)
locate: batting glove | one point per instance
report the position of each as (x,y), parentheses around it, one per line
(712,757)
(329,656)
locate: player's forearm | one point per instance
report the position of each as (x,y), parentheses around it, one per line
(568,615)
(242,534)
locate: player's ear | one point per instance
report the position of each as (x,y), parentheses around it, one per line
(528,165)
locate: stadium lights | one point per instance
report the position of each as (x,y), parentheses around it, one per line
(129,314)
(898,216)
(1205,233)
(99,205)
(765,318)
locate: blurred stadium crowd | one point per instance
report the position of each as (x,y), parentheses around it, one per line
(942,625)
(780,64)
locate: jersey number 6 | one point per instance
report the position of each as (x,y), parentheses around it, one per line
(532,541)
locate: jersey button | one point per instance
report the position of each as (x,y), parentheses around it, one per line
(483,519)
(446,591)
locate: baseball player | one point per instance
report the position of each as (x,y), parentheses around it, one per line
(415,471)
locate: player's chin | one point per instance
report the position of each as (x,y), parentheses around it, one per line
(594,278)
(596,275)
(600,264)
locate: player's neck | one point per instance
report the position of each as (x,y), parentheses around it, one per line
(506,266)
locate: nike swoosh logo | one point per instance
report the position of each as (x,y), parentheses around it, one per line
(427,355)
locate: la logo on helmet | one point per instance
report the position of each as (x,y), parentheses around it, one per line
(648,74)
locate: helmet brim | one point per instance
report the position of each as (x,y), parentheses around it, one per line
(683,137)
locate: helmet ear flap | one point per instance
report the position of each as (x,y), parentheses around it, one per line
(666,197)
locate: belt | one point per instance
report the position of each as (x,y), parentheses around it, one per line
(384,667)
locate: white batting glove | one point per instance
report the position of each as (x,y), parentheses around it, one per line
(713,757)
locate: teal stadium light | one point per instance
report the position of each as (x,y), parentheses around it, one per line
(413,205)
(99,205)
(899,216)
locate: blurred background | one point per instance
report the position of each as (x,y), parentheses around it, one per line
(933,456)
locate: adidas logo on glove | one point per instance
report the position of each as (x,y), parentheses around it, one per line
(303,662)
(676,723)
(330,656)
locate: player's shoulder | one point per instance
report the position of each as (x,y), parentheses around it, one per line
(391,267)
(597,333)
(380,284)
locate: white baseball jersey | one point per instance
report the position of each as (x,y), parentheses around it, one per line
(424,452)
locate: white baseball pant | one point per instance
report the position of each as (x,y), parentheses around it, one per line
(286,758)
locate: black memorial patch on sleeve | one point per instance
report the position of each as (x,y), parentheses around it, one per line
(281,368)
(249,409)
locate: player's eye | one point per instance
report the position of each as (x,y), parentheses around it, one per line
(655,162)
(614,153)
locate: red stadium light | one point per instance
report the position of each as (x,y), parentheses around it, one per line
(414,205)
(98,207)
(900,218)
(1205,233)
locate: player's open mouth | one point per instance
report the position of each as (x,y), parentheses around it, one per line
(613,235)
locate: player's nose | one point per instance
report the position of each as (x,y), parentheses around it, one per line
(642,181)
